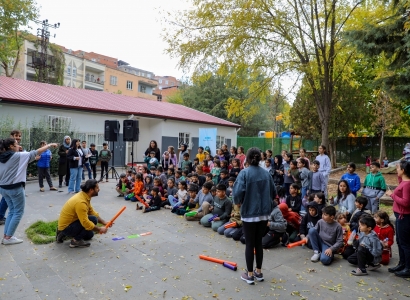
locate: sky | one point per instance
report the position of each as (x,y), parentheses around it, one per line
(129,30)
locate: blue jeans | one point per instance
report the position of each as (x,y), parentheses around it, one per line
(403,239)
(319,245)
(16,200)
(304,191)
(87,165)
(172,202)
(75,179)
(3,208)
(78,232)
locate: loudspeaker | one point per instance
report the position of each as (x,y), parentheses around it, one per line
(131,131)
(111,130)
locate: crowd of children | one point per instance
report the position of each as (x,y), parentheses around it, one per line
(200,190)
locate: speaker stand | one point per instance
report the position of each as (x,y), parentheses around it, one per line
(114,173)
(132,155)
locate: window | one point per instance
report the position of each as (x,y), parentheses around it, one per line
(143,88)
(159,98)
(129,85)
(220,140)
(172,83)
(93,59)
(58,123)
(74,72)
(149,75)
(160,81)
(87,77)
(143,74)
(69,71)
(166,81)
(113,80)
(183,138)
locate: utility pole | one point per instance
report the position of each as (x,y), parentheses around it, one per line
(41,62)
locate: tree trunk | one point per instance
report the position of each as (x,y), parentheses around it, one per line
(382,146)
(332,153)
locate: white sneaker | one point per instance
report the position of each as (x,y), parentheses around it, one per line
(315,257)
(11,241)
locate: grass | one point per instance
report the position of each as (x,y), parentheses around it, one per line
(387,208)
(42,232)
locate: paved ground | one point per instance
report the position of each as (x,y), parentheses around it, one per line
(165,265)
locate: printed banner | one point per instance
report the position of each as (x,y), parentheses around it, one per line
(207,138)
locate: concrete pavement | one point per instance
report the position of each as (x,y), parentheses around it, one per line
(165,265)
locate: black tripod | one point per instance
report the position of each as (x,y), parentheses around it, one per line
(112,168)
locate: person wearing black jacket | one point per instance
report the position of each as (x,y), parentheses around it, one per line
(75,158)
(226,153)
(309,220)
(224,178)
(277,171)
(93,160)
(153,146)
(63,167)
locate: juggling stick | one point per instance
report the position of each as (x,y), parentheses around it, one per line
(212,218)
(226,265)
(140,200)
(216,260)
(109,224)
(230,225)
(145,233)
(191,213)
(295,244)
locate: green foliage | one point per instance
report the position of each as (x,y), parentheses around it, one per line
(58,54)
(42,232)
(14,15)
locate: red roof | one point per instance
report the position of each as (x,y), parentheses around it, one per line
(43,94)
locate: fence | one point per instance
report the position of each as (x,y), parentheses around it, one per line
(348,149)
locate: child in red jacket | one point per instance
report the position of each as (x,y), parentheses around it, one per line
(385,230)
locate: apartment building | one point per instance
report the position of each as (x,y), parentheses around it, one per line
(167,86)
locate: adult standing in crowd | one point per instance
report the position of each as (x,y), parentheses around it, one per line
(78,218)
(254,192)
(325,165)
(75,157)
(16,134)
(87,154)
(401,209)
(63,167)
(153,146)
(13,170)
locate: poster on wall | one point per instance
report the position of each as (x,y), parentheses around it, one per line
(207,138)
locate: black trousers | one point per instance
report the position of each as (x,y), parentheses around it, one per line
(104,166)
(361,258)
(254,232)
(94,170)
(271,239)
(44,172)
(78,232)
(67,176)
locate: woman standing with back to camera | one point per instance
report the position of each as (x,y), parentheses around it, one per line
(13,170)
(254,192)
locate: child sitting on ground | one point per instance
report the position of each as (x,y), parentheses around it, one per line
(309,199)
(374,187)
(275,229)
(170,191)
(352,178)
(209,178)
(385,231)
(216,171)
(155,202)
(235,218)
(326,237)
(123,187)
(281,194)
(170,173)
(231,181)
(342,220)
(185,163)
(203,200)
(361,203)
(309,221)
(138,189)
(320,199)
(224,178)
(184,207)
(235,168)
(184,175)
(160,174)
(369,251)
(148,185)
(293,200)
(181,196)
(293,223)
(220,210)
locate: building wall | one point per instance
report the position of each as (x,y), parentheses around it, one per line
(90,126)
(72,62)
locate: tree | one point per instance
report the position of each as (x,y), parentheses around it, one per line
(14,15)
(276,37)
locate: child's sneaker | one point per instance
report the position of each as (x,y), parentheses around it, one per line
(168,206)
(315,257)
(258,276)
(373,267)
(285,239)
(143,209)
(247,278)
(359,272)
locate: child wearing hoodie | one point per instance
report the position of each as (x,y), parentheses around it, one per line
(276,227)
(309,221)
(369,252)
(221,209)
(352,178)
(235,217)
(293,223)
(374,187)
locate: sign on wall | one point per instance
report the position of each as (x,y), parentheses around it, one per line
(207,138)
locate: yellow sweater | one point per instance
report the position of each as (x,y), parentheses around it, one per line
(200,156)
(76,208)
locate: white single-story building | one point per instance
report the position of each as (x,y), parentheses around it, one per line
(86,110)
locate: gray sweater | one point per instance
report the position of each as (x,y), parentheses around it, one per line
(201,197)
(222,208)
(13,168)
(371,241)
(318,182)
(277,221)
(331,234)
(305,176)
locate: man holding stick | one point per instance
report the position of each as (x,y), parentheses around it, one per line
(78,219)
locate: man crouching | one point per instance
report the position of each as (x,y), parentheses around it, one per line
(78,219)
